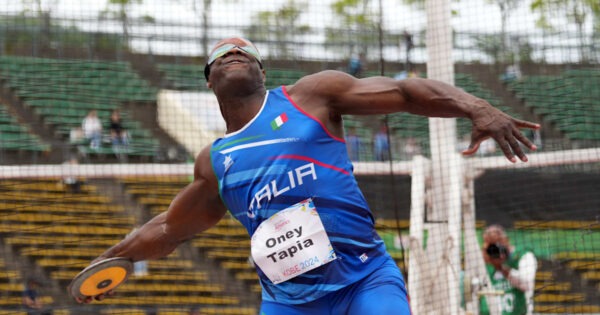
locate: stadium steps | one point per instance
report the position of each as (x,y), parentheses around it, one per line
(75,87)
(44,226)
(557,285)
(12,284)
(182,77)
(17,136)
(556,224)
(209,311)
(155,194)
(190,77)
(569,101)
(506,97)
(572,258)
(225,246)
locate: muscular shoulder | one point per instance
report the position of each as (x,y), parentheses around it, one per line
(324,84)
(203,165)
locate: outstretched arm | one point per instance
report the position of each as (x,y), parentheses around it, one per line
(195,209)
(330,94)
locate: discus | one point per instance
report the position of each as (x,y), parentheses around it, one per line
(100,277)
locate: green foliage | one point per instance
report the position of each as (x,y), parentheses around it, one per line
(356,27)
(279,26)
(490,44)
(125,3)
(576,11)
(67,37)
(122,14)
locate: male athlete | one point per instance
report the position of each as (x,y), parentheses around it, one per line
(283,171)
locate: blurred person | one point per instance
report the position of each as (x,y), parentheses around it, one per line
(31,300)
(511,269)
(92,129)
(356,65)
(76,135)
(409,44)
(118,135)
(381,144)
(73,183)
(487,147)
(512,73)
(283,171)
(353,144)
(195,311)
(411,148)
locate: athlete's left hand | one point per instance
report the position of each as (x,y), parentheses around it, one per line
(489,122)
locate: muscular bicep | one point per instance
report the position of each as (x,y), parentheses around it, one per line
(337,93)
(192,212)
(343,94)
(198,206)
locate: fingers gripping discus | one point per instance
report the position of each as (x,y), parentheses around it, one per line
(101,277)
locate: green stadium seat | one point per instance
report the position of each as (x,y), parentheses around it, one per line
(63,91)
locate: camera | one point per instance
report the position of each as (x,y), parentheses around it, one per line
(496,250)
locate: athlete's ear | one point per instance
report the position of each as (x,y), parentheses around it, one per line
(264,75)
(209,85)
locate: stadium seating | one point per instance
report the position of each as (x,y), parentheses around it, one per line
(16,136)
(44,223)
(226,244)
(190,77)
(364,134)
(61,92)
(183,77)
(12,285)
(568,100)
(405,126)
(562,269)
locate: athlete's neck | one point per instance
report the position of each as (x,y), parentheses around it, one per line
(238,111)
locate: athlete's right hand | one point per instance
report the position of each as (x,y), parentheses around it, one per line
(90,299)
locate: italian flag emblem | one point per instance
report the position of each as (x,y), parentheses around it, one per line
(279,121)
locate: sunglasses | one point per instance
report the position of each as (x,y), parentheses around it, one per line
(223,50)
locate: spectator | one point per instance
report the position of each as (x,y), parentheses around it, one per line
(76,135)
(408,46)
(411,148)
(406,75)
(536,137)
(487,147)
(92,129)
(382,144)
(31,301)
(356,65)
(512,72)
(401,75)
(73,183)
(511,270)
(353,144)
(140,268)
(118,135)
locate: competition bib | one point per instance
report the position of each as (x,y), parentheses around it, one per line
(291,242)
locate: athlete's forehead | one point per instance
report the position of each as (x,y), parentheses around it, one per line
(238,41)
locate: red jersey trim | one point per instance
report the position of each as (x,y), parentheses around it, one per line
(309,115)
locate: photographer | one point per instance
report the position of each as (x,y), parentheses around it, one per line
(511,270)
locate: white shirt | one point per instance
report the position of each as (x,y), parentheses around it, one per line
(91,126)
(524,278)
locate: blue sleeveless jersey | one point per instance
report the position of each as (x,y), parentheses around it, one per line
(284,156)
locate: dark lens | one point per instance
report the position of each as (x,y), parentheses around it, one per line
(495,250)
